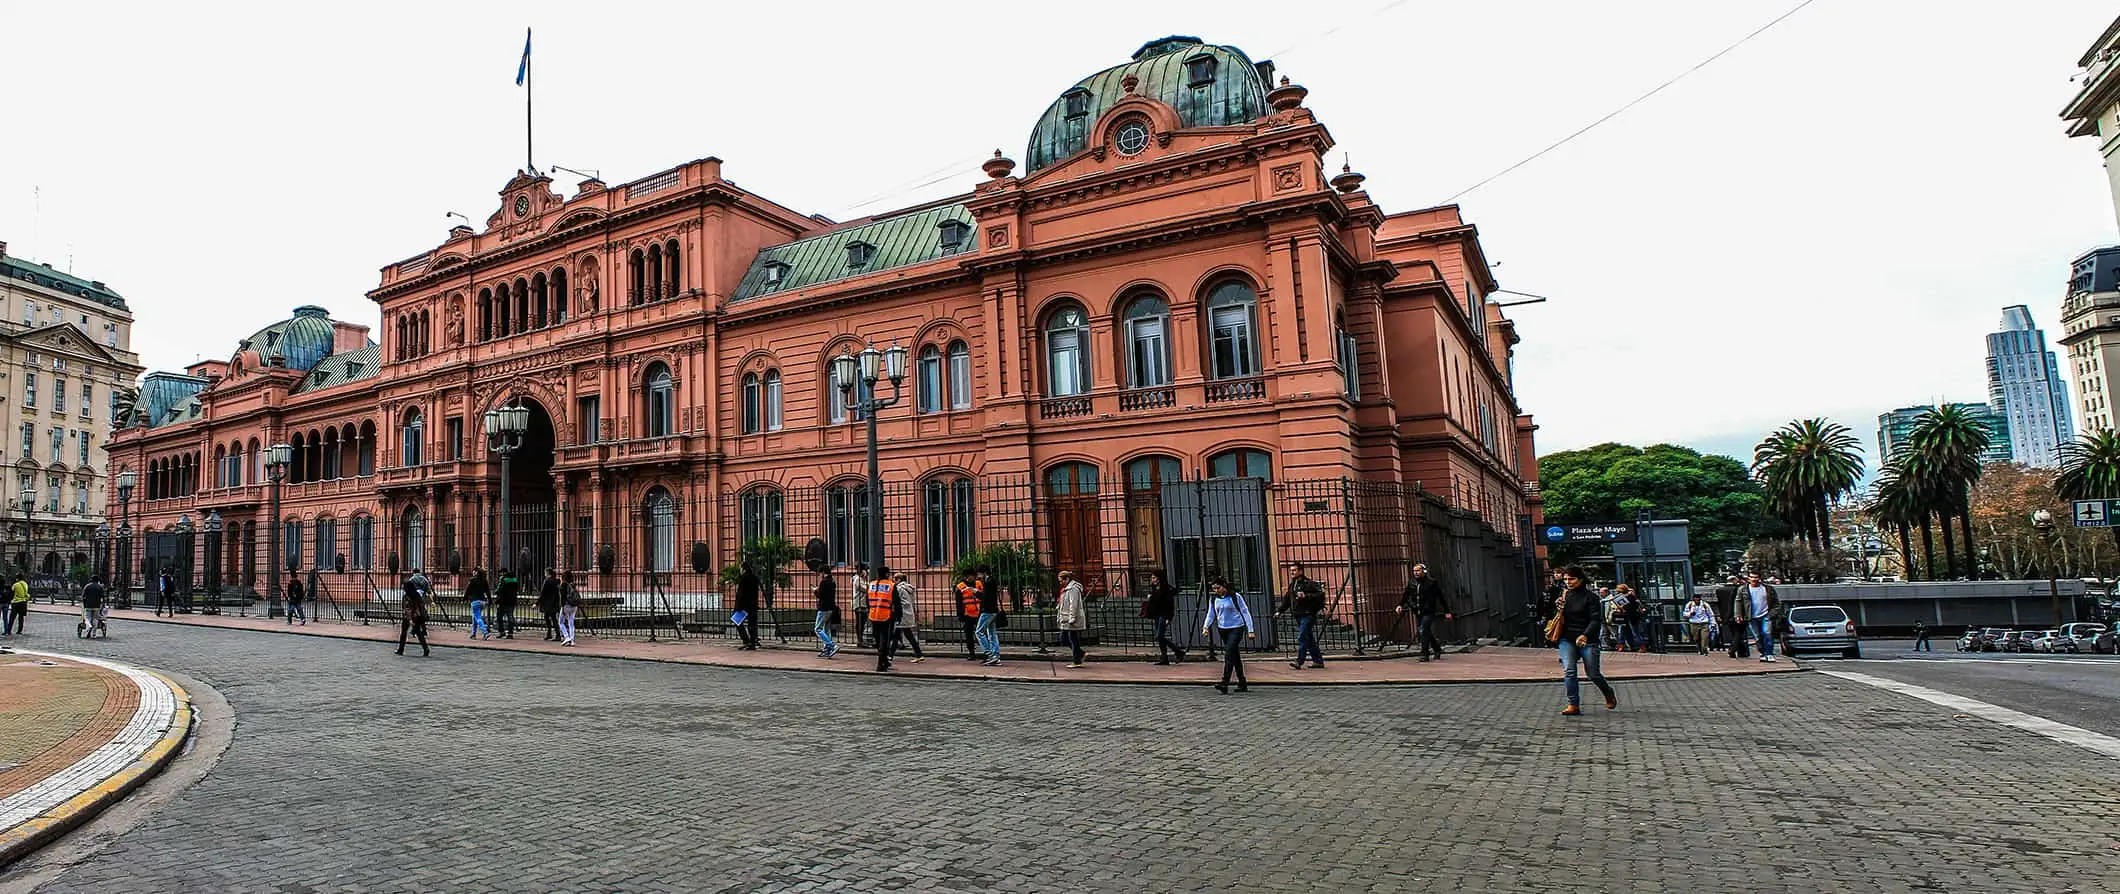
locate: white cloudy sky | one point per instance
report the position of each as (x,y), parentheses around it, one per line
(1824,221)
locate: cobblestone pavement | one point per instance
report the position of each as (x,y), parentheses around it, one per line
(54,714)
(355,769)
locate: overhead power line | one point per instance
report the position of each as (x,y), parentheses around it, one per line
(1633,102)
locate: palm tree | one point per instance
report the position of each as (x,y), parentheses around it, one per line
(1804,465)
(2090,470)
(1895,505)
(1946,443)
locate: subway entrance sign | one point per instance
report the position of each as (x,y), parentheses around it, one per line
(1596,532)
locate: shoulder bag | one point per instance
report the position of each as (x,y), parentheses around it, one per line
(1553,624)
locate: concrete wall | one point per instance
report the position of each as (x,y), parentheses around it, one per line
(1944,605)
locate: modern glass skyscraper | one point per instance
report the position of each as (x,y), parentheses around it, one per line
(2025,385)
(1896,428)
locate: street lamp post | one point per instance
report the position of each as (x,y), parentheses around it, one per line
(505,428)
(102,537)
(278,458)
(28,501)
(2043,522)
(126,480)
(211,556)
(184,596)
(870,366)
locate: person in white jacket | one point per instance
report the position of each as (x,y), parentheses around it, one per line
(907,624)
(1072,617)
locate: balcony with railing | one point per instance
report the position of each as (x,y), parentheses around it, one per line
(1064,407)
(1154,398)
(1232,390)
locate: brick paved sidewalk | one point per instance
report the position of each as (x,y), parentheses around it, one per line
(1491,664)
(76,735)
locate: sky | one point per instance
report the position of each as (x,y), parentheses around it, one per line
(1824,222)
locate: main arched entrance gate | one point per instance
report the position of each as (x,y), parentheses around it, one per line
(532,532)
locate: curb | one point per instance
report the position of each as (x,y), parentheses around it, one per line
(26,837)
(862,671)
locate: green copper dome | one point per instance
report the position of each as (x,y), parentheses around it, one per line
(302,339)
(1208,85)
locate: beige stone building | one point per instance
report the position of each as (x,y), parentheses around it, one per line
(66,363)
(2095,110)
(2090,310)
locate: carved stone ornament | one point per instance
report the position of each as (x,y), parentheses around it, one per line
(996,237)
(453,321)
(1287,177)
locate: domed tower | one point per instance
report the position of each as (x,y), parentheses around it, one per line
(1207,85)
(297,342)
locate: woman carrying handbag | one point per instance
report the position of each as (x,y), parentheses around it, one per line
(1575,628)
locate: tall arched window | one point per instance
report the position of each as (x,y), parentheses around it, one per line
(947,516)
(362,542)
(960,360)
(539,301)
(1067,369)
(1241,463)
(661,510)
(298,461)
(327,541)
(1231,331)
(761,514)
(836,398)
(655,273)
(772,385)
(367,453)
(662,402)
(412,539)
(928,380)
(560,296)
(1071,479)
(675,273)
(1150,473)
(220,466)
(411,438)
(846,519)
(636,277)
(751,408)
(501,305)
(1148,342)
(522,305)
(290,543)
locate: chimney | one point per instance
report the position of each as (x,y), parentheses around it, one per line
(347,337)
(3,249)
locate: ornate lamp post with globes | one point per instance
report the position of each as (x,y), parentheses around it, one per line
(505,428)
(126,480)
(870,366)
(278,458)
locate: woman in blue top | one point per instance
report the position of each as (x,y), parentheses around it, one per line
(1229,616)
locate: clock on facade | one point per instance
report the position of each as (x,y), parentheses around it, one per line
(522,206)
(1132,137)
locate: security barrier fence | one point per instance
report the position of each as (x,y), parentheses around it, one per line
(669,568)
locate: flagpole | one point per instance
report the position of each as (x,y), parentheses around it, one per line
(529,141)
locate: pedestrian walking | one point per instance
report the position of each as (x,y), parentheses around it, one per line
(1921,636)
(166,588)
(548,603)
(17,620)
(477,594)
(1305,600)
(988,629)
(1761,601)
(1579,642)
(570,608)
(94,611)
(412,613)
(1637,615)
(1700,622)
(1229,621)
(1622,618)
(906,619)
(294,602)
(505,598)
(747,606)
(1071,616)
(1161,607)
(968,591)
(827,615)
(861,604)
(883,603)
(1424,597)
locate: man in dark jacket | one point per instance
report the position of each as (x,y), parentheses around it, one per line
(747,602)
(1424,597)
(548,601)
(1306,600)
(504,597)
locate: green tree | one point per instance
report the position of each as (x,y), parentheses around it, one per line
(1803,465)
(1012,566)
(2090,470)
(1895,505)
(1611,482)
(1945,448)
(770,557)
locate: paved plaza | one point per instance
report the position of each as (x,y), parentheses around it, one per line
(354,769)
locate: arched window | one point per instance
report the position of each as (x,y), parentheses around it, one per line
(1148,341)
(522,305)
(362,545)
(290,544)
(410,439)
(1232,340)
(1150,473)
(661,510)
(485,314)
(761,514)
(751,408)
(254,459)
(1350,359)
(675,273)
(502,305)
(560,297)
(297,465)
(772,385)
(960,360)
(636,277)
(327,541)
(846,518)
(1067,369)
(947,516)
(655,273)
(1071,479)
(662,402)
(836,397)
(220,466)
(928,380)
(426,334)
(331,454)
(539,299)
(367,452)
(412,539)
(1241,463)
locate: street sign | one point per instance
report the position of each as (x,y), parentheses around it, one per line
(2094,513)
(1600,532)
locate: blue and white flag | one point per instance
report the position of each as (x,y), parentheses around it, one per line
(522,69)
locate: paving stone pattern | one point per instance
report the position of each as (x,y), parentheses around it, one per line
(52,715)
(355,769)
